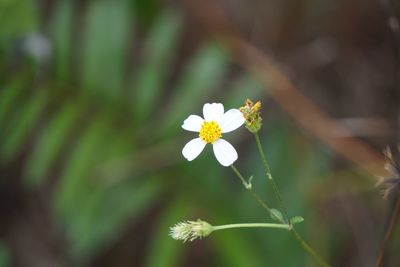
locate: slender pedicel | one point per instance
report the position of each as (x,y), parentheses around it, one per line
(191,230)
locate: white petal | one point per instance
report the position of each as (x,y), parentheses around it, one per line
(231,120)
(193,123)
(213,112)
(193,148)
(224,152)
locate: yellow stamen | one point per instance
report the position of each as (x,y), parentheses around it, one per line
(210,132)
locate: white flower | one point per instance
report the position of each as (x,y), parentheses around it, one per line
(210,130)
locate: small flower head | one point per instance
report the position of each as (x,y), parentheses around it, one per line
(210,132)
(215,123)
(251,112)
(391,182)
(190,230)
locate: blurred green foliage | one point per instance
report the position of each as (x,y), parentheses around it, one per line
(4,256)
(103,123)
(27,19)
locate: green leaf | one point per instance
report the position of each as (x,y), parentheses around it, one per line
(50,143)
(92,210)
(159,48)
(106,213)
(75,178)
(61,31)
(5,257)
(146,10)
(9,96)
(164,251)
(276,215)
(296,219)
(107,31)
(203,74)
(22,125)
(17,17)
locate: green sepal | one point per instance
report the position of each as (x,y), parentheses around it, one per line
(296,219)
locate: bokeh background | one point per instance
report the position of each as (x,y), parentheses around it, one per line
(93,94)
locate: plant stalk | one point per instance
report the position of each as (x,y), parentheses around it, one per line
(251,225)
(278,196)
(309,249)
(254,194)
(271,179)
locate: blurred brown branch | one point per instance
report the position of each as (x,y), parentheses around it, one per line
(307,114)
(395,212)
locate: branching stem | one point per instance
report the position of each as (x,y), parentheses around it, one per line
(249,188)
(287,224)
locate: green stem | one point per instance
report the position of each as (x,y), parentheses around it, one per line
(271,179)
(251,225)
(254,194)
(244,182)
(278,196)
(309,249)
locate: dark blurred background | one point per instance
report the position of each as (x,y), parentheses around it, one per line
(93,94)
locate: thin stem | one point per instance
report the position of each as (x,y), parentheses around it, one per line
(244,182)
(254,194)
(270,178)
(389,232)
(252,225)
(309,249)
(278,196)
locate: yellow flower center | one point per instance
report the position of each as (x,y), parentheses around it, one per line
(210,132)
